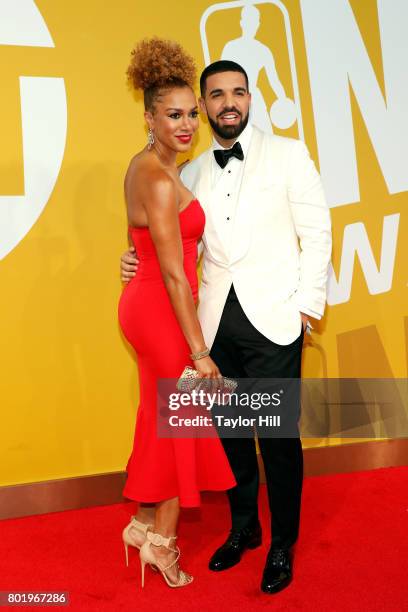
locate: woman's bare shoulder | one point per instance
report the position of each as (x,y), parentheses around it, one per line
(148,178)
(136,165)
(146,167)
(159,188)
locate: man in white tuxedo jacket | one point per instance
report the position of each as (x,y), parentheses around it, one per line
(267,232)
(267,245)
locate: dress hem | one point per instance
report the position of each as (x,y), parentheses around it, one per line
(185,502)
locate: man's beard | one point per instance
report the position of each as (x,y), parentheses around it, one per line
(229,132)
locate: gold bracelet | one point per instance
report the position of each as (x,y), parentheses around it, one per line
(201,355)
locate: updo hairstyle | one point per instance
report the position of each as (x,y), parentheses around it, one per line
(158,65)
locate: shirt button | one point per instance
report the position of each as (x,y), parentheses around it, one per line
(228,194)
(229,171)
(228,218)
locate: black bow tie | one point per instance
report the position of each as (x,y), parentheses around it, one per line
(222,156)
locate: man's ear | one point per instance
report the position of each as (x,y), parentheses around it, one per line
(202,105)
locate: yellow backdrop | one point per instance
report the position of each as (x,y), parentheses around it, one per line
(68,384)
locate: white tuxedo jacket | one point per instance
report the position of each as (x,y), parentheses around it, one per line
(281,240)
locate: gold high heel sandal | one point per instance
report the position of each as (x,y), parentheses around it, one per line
(147,556)
(134,535)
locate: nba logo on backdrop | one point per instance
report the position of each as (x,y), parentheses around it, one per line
(258,35)
(43,111)
(275,103)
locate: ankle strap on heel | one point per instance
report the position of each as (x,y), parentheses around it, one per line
(158,540)
(143,527)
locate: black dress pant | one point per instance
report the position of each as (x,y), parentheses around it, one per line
(241,351)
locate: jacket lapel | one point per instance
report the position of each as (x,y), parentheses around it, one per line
(242,231)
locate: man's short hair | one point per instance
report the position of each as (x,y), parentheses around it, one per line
(220,66)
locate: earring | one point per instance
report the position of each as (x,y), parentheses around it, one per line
(150,139)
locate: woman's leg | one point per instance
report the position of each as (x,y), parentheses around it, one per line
(166,519)
(146,513)
(167,514)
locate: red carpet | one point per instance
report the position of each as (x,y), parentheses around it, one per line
(352,554)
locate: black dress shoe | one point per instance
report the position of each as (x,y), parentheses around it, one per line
(278,571)
(230,553)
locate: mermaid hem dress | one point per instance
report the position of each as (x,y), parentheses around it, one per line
(161,468)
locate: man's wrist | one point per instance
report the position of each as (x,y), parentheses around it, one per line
(307,327)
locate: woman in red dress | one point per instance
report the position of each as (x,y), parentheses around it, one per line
(157,310)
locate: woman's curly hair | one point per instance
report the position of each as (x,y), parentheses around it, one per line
(156,64)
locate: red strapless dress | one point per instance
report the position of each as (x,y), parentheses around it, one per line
(162,468)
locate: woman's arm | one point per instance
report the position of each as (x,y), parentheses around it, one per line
(162,211)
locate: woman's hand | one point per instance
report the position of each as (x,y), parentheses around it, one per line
(207,368)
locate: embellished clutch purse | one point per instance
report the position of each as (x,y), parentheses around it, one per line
(191,379)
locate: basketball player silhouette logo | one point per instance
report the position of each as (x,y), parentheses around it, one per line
(255,56)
